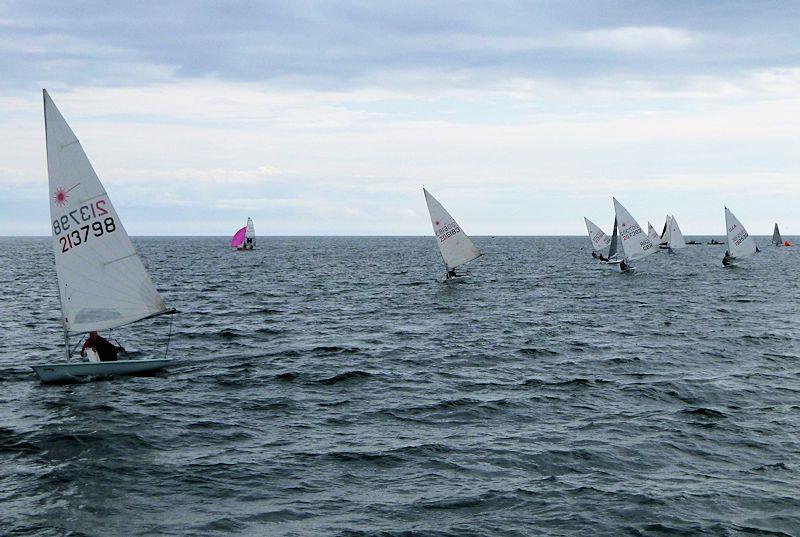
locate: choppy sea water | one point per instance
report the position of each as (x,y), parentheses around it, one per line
(331,386)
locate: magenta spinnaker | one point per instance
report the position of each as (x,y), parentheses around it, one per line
(238,238)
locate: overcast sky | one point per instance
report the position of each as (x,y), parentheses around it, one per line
(328,117)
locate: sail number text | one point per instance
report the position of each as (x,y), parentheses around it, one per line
(447,231)
(80,235)
(632,231)
(79,216)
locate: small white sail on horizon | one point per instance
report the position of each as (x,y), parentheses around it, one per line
(600,241)
(655,238)
(635,242)
(740,243)
(455,246)
(675,240)
(664,240)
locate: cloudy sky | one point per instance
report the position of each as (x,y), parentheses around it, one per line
(327,117)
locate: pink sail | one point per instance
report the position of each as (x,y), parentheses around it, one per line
(238,238)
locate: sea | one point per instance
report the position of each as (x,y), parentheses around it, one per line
(333,386)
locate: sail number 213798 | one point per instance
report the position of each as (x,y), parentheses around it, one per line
(77,226)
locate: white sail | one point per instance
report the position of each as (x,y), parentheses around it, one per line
(777,240)
(740,243)
(101,280)
(635,242)
(665,232)
(456,247)
(655,238)
(676,240)
(250,234)
(600,241)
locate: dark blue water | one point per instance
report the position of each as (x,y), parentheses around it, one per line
(330,386)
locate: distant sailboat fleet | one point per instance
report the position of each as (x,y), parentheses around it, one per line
(636,245)
(103,283)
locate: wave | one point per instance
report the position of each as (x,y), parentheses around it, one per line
(347,376)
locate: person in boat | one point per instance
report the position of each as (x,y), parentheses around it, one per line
(452,273)
(623,266)
(105,350)
(727,260)
(594,254)
(600,256)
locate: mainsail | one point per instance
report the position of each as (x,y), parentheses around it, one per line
(600,241)
(653,234)
(250,234)
(740,243)
(676,240)
(665,232)
(777,240)
(456,247)
(635,242)
(101,280)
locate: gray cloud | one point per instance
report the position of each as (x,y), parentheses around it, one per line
(346,44)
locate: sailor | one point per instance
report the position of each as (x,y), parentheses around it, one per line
(105,350)
(451,273)
(602,258)
(727,259)
(623,266)
(594,254)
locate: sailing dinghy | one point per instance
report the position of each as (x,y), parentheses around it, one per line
(245,238)
(740,243)
(102,282)
(777,240)
(455,246)
(635,242)
(613,252)
(675,240)
(600,241)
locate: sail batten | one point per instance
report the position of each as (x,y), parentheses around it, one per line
(455,246)
(102,281)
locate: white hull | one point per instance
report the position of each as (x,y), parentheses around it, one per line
(74,371)
(611,262)
(457,279)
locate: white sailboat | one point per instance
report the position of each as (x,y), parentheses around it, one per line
(101,279)
(600,241)
(675,239)
(635,242)
(663,242)
(455,246)
(740,243)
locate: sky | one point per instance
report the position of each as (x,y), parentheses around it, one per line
(327,118)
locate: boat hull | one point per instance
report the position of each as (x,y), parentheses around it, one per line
(457,279)
(66,372)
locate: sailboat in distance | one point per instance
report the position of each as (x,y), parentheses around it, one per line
(102,282)
(455,246)
(655,238)
(635,242)
(777,240)
(600,241)
(245,238)
(676,240)
(740,243)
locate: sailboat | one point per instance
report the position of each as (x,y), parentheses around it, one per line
(102,282)
(655,238)
(635,243)
(600,241)
(663,242)
(675,240)
(777,240)
(245,238)
(455,246)
(740,243)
